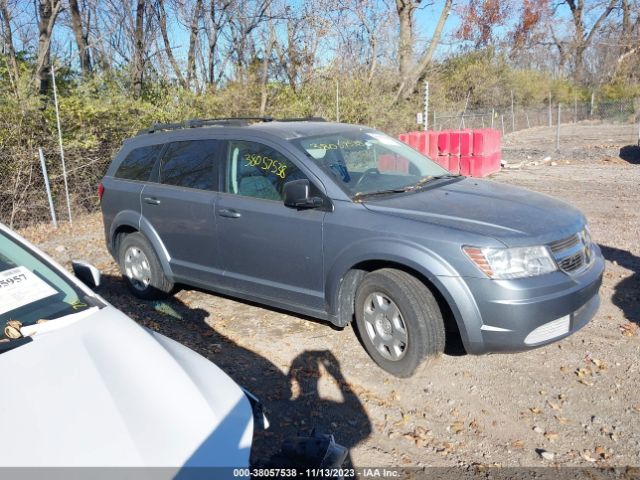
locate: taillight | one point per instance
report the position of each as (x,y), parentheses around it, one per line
(100,191)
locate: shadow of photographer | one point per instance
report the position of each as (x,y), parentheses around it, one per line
(294,402)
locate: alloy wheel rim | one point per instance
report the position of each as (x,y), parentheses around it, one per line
(385,326)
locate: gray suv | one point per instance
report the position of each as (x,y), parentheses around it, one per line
(343,222)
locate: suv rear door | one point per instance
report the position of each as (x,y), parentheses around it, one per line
(269,250)
(179,204)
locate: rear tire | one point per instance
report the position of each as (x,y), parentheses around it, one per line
(399,321)
(141,268)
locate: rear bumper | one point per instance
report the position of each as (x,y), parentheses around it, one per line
(517,315)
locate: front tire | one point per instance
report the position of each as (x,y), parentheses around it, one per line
(141,268)
(399,321)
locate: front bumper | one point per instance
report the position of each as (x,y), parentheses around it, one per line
(516,315)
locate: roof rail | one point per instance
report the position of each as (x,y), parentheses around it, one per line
(224,121)
(302,119)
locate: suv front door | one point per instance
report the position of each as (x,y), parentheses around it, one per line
(268,250)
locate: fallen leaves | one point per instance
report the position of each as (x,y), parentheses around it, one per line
(551,436)
(535,410)
(562,420)
(629,329)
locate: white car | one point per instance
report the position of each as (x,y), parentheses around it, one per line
(84,385)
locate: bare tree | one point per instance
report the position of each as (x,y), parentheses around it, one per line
(7,39)
(81,33)
(583,34)
(162,23)
(193,41)
(409,77)
(137,67)
(48,11)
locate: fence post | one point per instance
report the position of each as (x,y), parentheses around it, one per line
(593,95)
(426,105)
(64,168)
(337,101)
(513,118)
(558,130)
(550,116)
(46,186)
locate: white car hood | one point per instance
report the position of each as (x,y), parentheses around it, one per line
(104,391)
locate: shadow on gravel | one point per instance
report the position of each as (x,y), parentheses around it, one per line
(631,154)
(626,295)
(292,401)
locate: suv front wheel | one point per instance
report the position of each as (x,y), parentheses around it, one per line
(141,268)
(399,321)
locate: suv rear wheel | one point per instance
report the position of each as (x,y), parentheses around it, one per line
(141,268)
(399,321)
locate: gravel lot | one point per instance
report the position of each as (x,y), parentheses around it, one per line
(576,400)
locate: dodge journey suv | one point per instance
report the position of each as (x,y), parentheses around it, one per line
(342,222)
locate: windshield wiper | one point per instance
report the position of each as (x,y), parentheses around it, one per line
(423,181)
(360,195)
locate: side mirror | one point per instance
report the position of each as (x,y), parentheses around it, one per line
(297,195)
(86,273)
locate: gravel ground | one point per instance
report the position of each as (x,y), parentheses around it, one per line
(573,403)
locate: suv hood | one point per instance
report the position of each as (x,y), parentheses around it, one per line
(512,215)
(104,391)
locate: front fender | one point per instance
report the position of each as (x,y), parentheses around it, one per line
(427,263)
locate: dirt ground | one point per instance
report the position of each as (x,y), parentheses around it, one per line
(577,400)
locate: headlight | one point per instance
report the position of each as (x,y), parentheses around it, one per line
(508,263)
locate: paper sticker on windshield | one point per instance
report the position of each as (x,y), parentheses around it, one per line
(384,139)
(19,286)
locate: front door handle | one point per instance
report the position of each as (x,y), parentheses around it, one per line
(151,201)
(226,212)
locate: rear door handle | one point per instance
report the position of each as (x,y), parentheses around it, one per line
(225,212)
(151,201)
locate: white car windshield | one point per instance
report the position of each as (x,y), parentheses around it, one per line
(31,290)
(366,162)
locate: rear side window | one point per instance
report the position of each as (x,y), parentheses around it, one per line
(189,164)
(139,163)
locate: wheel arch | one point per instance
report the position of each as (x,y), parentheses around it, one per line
(131,222)
(342,288)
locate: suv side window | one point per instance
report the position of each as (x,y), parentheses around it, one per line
(139,163)
(189,164)
(256,170)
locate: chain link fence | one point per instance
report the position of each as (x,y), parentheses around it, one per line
(515,118)
(23,194)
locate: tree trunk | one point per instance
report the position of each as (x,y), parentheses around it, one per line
(162,21)
(82,37)
(8,41)
(48,11)
(137,69)
(411,78)
(264,80)
(193,36)
(405,10)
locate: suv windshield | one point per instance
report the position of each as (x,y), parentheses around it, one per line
(369,162)
(30,290)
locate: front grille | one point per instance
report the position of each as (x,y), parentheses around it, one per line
(571,253)
(564,244)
